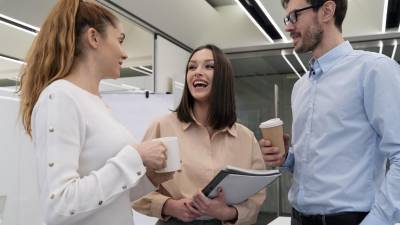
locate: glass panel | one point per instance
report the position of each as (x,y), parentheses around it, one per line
(254,86)
(137,71)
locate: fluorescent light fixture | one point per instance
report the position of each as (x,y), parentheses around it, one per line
(9,98)
(8,89)
(122,86)
(271,20)
(394,49)
(14,23)
(380,47)
(179,84)
(289,63)
(254,22)
(10,59)
(130,87)
(110,84)
(299,60)
(385,9)
(146,69)
(139,70)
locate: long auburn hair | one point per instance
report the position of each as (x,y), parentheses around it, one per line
(55,48)
(222,109)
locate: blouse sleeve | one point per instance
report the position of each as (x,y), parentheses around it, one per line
(58,129)
(151,204)
(249,209)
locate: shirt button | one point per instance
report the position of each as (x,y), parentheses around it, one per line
(124,187)
(51,129)
(138,173)
(51,96)
(100,202)
(51,164)
(72,213)
(52,196)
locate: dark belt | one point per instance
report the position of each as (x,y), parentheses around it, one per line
(343,218)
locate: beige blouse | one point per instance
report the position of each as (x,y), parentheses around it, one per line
(202,158)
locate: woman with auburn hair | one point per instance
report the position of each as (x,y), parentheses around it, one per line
(209,139)
(89,170)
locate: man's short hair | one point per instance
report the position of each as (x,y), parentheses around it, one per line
(340,12)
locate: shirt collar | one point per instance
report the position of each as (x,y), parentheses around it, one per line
(329,59)
(231,130)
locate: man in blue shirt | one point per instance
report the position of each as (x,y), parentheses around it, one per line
(346,125)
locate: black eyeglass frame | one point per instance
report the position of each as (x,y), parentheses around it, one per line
(292,16)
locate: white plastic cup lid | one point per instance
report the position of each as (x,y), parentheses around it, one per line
(271,123)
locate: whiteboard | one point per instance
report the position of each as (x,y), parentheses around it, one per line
(136,112)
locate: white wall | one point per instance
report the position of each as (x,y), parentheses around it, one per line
(17,168)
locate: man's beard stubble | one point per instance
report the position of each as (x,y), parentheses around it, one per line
(311,38)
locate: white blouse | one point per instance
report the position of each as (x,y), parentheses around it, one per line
(88,172)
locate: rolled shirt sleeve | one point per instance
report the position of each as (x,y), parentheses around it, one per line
(151,204)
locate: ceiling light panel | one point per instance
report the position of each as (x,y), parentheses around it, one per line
(262,19)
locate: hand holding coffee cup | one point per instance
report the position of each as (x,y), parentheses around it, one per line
(153,154)
(173,158)
(272,145)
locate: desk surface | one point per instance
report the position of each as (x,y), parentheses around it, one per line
(282,220)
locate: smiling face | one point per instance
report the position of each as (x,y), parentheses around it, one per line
(200,75)
(110,53)
(307,31)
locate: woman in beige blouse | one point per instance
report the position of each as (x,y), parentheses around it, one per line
(209,139)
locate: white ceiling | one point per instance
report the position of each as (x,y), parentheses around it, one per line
(191,22)
(15,43)
(196,22)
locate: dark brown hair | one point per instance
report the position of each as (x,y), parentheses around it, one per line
(222,111)
(56,46)
(340,12)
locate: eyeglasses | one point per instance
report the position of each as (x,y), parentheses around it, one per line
(292,16)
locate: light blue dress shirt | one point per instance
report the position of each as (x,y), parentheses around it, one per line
(346,123)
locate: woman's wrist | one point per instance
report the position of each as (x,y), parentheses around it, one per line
(230,214)
(165,208)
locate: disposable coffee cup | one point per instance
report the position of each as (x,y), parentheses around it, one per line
(173,154)
(273,130)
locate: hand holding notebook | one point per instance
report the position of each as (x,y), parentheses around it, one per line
(239,184)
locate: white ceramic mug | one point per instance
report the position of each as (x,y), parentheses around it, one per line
(173,154)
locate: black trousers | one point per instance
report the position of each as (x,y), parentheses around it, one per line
(174,221)
(345,218)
